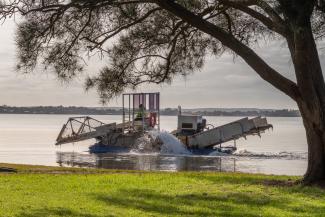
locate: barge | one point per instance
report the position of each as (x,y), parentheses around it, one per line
(141,114)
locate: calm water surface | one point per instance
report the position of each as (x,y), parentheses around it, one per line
(30,139)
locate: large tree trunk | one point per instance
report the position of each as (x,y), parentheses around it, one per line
(310,81)
(311,103)
(316,147)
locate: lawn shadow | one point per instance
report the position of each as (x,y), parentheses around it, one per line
(58,211)
(201,204)
(152,202)
(286,184)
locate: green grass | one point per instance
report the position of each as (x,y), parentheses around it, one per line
(53,191)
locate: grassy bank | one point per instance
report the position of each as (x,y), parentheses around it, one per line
(53,191)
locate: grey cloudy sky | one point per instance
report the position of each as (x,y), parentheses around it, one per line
(223,82)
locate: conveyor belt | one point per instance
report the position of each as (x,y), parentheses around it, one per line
(228,132)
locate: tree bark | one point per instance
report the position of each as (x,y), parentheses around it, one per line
(316,155)
(311,85)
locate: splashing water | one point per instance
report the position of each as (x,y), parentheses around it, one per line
(162,142)
(165,143)
(145,144)
(170,144)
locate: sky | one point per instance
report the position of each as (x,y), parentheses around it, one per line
(224,82)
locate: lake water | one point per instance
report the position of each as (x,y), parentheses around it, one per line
(29,139)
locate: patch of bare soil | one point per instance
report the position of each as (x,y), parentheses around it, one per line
(291,183)
(320,184)
(7,170)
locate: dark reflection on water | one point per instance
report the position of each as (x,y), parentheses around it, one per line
(149,162)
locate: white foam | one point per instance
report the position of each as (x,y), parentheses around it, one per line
(276,155)
(144,144)
(171,145)
(168,144)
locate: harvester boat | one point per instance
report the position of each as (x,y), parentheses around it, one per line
(141,114)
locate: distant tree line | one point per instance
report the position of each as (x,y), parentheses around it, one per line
(271,113)
(59,110)
(118,111)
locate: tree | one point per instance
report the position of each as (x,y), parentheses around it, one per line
(154,40)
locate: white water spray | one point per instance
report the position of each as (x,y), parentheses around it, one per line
(162,142)
(170,144)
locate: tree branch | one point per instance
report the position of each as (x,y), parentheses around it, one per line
(274,23)
(116,31)
(251,58)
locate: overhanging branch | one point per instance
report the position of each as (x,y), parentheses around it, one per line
(273,22)
(251,58)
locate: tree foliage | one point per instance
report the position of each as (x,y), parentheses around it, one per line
(143,41)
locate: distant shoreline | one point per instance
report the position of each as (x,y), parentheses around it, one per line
(75,115)
(73,110)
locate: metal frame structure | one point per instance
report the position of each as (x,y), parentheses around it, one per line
(78,128)
(130,103)
(148,107)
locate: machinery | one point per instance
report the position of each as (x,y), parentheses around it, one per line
(192,130)
(190,124)
(141,113)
